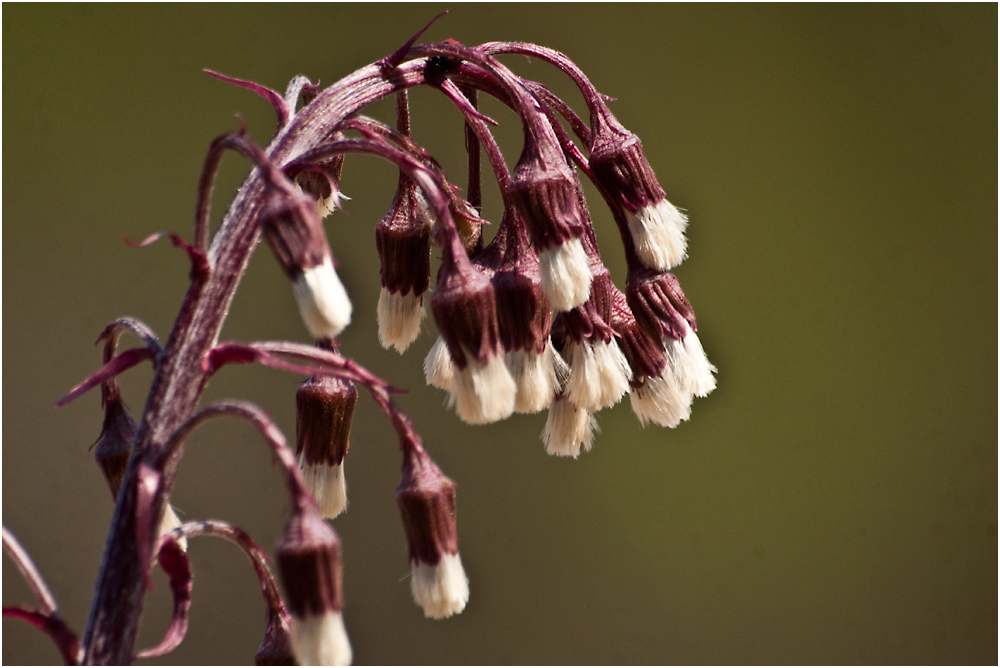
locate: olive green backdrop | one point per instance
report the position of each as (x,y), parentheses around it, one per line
(834,501)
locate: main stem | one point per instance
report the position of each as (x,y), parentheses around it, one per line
(179,381)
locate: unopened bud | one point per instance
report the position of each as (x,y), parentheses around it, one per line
(324,409)
(114,445)
(310,565)
(426,499)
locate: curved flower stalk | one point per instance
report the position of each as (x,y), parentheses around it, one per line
(530,321)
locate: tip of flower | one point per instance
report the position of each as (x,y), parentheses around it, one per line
(657,230)
(659,400)
(564,273)
(599,375)
(439,370)
(442,590)
(568,429)
(481,394)
(535,377)
(328,486)
(689,364)
(323,301)
(399,319)
(321,640)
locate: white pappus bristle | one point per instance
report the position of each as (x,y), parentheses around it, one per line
(168,522)
(535,376)
(321,640)
(323,301)
(659,400)
(568,429)
(329,204)
(399,318)
(327,484)
(442,589)
(439,370)
(689,364)
(599,374)
(564,273)
(482,393)
(657,231)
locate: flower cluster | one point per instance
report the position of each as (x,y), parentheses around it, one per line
(529,321)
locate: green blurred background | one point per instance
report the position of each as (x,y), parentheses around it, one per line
(834,501)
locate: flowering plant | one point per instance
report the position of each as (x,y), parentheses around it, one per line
(529,321)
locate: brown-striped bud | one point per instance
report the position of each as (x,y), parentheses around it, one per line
(548,203)
(324,409)
(295,234)
(114,445)
(310,565)
(655,225)
(481,388)
(403,241)
(426,499)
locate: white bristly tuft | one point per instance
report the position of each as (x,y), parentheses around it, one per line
(321,640)
(399,318)
(441,590)
(535,377)
(439,370)
(564,272)
(327,484)
(658,234)
(689,364)
(328,205)
(659,400)
(169,522)
(568,429)
(599,374)
(481,394)
(323,301)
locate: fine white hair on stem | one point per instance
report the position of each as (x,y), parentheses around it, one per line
(657,230)
(441,589)
(321,640)
(661,401)
(564,274)
(482,393)
(323,301)
(599,374)
(327,484)
(439,370)
(399,318)
(535,376)
(568,429)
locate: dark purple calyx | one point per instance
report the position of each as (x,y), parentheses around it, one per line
(293,230)
(426,499)
(464,307)
(403,241)
(644,353)
(324,410)
(621,170)
(310,565)
(658,303)
(591,320)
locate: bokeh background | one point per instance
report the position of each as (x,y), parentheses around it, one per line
(834,501)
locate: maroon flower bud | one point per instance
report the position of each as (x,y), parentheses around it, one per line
(544,192)
(621,170)
(599,372)
(310,565)
(323,185)
(481,388)
(662,310)
(324,408)
(295,234)
(114,445)
(403,240)
(276,647)
(524,319)
(426,499)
